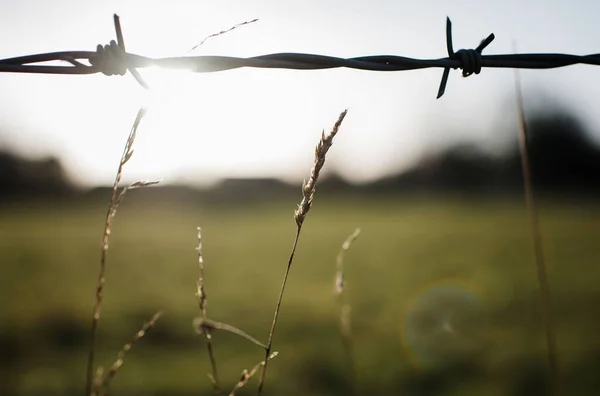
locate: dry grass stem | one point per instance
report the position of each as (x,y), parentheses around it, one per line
(207,326)
(345,308)
(115,200)
(201,295)
(309,187)
(98,379)
(247,375)
(553,359)
(120,358)
(221,32)
(339,262)
(308,192)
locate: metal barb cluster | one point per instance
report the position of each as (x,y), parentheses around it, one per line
(109,59)
(470,59)
(113,59)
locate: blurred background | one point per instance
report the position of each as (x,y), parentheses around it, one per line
(441,282)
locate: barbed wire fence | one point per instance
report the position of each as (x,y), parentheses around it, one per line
(113,59)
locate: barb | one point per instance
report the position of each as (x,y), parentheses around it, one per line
(470,61)
(111,59)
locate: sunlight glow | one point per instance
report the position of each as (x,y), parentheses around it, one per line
(265,123)
(191,125)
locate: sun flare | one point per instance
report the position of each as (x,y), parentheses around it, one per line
(191,125)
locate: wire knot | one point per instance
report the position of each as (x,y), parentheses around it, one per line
(109,59)
(469,59)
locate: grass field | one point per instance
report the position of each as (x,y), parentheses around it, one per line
(444,296)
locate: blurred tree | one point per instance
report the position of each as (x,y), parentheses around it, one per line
(563,156)
(20,177)
(564,160)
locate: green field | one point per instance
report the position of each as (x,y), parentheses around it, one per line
(471,259)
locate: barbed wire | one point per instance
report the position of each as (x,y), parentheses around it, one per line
(113,59)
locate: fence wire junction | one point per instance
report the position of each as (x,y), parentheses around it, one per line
(113,59)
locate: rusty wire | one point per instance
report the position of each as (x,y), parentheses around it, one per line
(112,59)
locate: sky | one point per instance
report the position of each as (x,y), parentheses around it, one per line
(264,122)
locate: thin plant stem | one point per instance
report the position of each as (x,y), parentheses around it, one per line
(547,318)
(115,200)
(201,294)
(220,33)
(247,375)
(276,313)
(202,325)
(121,357)
(308,192)
(345,308)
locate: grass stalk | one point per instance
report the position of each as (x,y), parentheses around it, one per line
(237,25)
(121,357)
(247,375)
(540,263)
(345,308)
(208,325)
(201,294)
(115,199)
(308,192)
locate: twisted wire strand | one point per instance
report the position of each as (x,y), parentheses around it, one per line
(112,59)
(298,61)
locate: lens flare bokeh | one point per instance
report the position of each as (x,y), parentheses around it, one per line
(444,324)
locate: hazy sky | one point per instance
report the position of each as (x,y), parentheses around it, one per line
(257,122)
